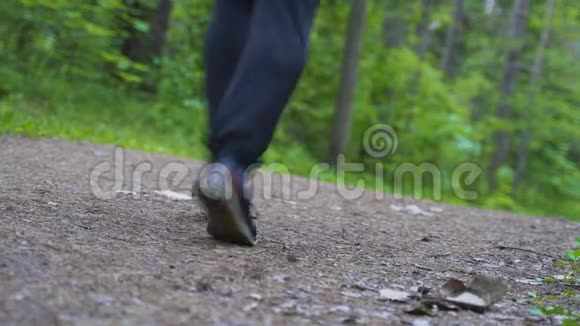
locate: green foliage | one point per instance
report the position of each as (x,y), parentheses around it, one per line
(64,74)
(541,303)
(48,108)
(570,318)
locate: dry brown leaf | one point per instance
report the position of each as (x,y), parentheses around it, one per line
(482,292)
(490,289)
(452,288)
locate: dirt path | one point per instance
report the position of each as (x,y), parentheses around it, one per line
(69,258)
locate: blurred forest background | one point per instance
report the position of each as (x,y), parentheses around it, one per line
(495,82)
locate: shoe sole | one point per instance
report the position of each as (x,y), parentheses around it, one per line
(226,221)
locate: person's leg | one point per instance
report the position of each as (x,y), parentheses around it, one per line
(266,76)
(225,40)
(246,115)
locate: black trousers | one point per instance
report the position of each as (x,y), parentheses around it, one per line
(255,53)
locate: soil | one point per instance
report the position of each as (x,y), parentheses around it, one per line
(68,257)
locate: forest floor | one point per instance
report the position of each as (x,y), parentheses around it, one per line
(143,257)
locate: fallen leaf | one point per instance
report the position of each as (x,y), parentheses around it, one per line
(394,295)
(341,309)
(397,208)
(559,277)
(469,299)
(453,287)
(173,195)
(416,210)
(491,289)
(411,209)
(527,281)
(482,292)
(251,306)
(436,209)
(256,296)
(438,303)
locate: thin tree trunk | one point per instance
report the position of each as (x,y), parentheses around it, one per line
(501,137)
(424,29)
(354,42)
(453,33)
(537,71)
(489,6)
(396,23)
(145,46)
(424,34)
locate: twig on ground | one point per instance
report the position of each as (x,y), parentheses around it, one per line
(422,267)
(50,246)
(441,255)
(501,247)
(275,241)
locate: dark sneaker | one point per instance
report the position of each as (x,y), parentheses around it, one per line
(223,190)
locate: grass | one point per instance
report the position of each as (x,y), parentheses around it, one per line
(51,106)
(546,305)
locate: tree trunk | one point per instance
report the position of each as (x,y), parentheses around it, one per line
(396,24)
(354,42)
(489,7)
(501,137)
(537,71)
(424,29)
(144,46)
(424,35)
(449,58)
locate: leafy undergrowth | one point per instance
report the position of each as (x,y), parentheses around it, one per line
(55,107)
(542,305)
